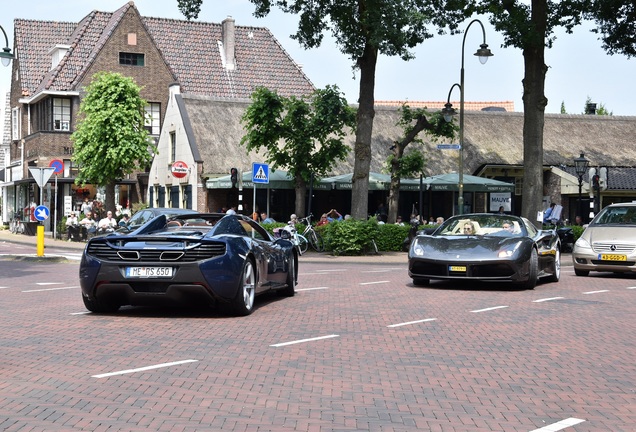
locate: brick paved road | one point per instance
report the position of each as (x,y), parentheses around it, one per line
(377,354)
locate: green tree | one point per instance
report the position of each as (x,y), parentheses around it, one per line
(363,29)
(402,164)
(616,20)
(563,111)
(599,109)
(110,140)
(531,28)
(302,135)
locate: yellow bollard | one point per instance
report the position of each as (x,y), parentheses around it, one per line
(40,246)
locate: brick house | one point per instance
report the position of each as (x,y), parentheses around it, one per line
(55,61)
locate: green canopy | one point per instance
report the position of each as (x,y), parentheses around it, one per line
(450,182)
(277,180)
(377,181)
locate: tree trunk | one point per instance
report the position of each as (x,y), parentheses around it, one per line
(109,199)
(364,129)
(301,193)
(394,187)
(534,103)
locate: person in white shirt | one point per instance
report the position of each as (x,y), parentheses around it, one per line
(72,227)
(108,223)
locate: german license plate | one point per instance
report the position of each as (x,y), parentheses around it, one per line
(457,268)
(612,257)
(148,272)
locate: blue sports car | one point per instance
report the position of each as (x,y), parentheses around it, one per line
(199,259)
(486,247)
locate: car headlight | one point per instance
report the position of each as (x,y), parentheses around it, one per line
(582,243)
(509,250)
(418,250)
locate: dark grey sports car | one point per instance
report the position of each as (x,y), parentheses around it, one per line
(486,247)
(197,259)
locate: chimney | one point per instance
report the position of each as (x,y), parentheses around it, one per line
(590,108)
(228,40)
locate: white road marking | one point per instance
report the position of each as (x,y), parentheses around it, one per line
(304,340)
(311,289)
(81,313)
(378,271)
(4,287)
(412,322)
(49,283)
(488,309)
(332,271)
(373,283)
(142,369)
(547,299)
(559,425)
(596,292)
(50,289)
(631,287)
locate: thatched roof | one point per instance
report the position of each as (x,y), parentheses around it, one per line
(490,138)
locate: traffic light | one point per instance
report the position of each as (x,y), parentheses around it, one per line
(234,177)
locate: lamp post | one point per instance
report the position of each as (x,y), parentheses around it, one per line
(580,166)
(483,53)
(6,55)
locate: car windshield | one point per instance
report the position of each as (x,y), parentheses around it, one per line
(482,225)
(620,215)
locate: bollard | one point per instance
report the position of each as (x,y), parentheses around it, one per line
(40,245)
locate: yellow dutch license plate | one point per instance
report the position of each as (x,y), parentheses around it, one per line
(612,257)
(457,268)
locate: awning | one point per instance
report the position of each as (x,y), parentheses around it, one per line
(277,180)
(450,182)
(377,181)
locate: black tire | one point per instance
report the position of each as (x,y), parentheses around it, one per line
(97,306)
(556,267)
(533,270)
(421,281)
(580,272)
(243,302)
(316,241)
(290,289)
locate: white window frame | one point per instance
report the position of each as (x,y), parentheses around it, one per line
(16,130)
(152,119)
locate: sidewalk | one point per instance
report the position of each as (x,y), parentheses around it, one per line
(383,259)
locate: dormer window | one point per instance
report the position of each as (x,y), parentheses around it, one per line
(131,59)
(57,54)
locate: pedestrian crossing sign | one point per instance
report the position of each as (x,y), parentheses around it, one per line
(260,173)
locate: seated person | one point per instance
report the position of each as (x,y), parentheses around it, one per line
(72,225)
(108,223)
(507,226)
(87,226)
(468,229)
(124,220)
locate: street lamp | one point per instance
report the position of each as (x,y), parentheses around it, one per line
(483,53)
(6,55)
(580,166)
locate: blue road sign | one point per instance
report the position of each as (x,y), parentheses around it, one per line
(58,165)
(448,147)
(41,213)
(260,173)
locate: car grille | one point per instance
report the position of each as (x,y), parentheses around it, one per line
(104,251)
(617,248)
(473,270)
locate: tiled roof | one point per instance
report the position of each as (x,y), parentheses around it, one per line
(190,49)
(618,177)
(437,105)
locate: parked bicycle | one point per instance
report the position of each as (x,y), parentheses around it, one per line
(16,225)
(311,235)
(299,240)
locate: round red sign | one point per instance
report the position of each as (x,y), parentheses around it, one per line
(179,169)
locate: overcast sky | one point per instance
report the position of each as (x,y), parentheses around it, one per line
(578,67)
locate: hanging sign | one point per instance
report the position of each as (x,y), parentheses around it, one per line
(179,169)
